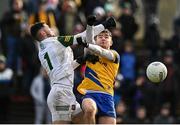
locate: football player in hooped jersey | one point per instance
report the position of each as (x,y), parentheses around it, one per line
(98,83)
(57,58)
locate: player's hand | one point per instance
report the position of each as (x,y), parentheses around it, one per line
(81,60)
(92,58)
(109,23)
(91,20)
(81,42)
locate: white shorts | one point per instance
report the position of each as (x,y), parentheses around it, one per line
(62,103)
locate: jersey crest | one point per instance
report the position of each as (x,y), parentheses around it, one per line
(66,40)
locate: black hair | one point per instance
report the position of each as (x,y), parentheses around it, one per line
(35,28)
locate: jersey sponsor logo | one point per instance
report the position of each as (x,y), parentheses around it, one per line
(67,38)
(62,108)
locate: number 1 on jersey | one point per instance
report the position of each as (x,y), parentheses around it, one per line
(46,56)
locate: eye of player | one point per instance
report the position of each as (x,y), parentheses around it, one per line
(106,36)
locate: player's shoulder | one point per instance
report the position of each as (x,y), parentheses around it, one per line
(116,55)
(66,40)
(114,51)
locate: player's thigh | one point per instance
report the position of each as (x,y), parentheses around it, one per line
(78,118)
(106,120)
(61,102)
(77,114)
(89,105)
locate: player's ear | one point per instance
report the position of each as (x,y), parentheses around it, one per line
(95,38)
(111,42)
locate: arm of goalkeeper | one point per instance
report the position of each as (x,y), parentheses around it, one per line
(95,30)
(109,54)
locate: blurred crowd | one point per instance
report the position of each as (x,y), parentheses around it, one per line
(137,100)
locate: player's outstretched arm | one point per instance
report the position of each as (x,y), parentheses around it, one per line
(109,54)
(96,29)
(109,23)
(89,29)
(102,52)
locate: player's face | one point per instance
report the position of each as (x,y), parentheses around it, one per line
(48,31)
(104,40)
(45,32)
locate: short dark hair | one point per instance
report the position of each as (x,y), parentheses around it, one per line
(35,28)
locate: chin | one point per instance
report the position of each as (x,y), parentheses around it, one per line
(104,47)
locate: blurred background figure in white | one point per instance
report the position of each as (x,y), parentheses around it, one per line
(39,90)
(6,74)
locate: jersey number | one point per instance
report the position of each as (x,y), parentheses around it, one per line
(46,56)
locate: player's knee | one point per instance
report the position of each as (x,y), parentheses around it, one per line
(89,106)
(90,110)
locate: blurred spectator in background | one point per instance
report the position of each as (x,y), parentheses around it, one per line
(151,34)
(109,8)
(117,39)
(31,6)
(165,115)
(173,43)
(39,90)
(128,62)
(150,9)
(128,71)
(30,63)
(6,80)
(0,40)
(145,92)
(13,23)
(117,92)
(133,5)
(68,17)
(78,28)
(152,38)
(169,89)
(100,14)
(52,5)
(121,112)
(90,5)
(44,15)
(141,116)
(128,23)
(6,74)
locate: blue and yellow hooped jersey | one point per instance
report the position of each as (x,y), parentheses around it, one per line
(100,77)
